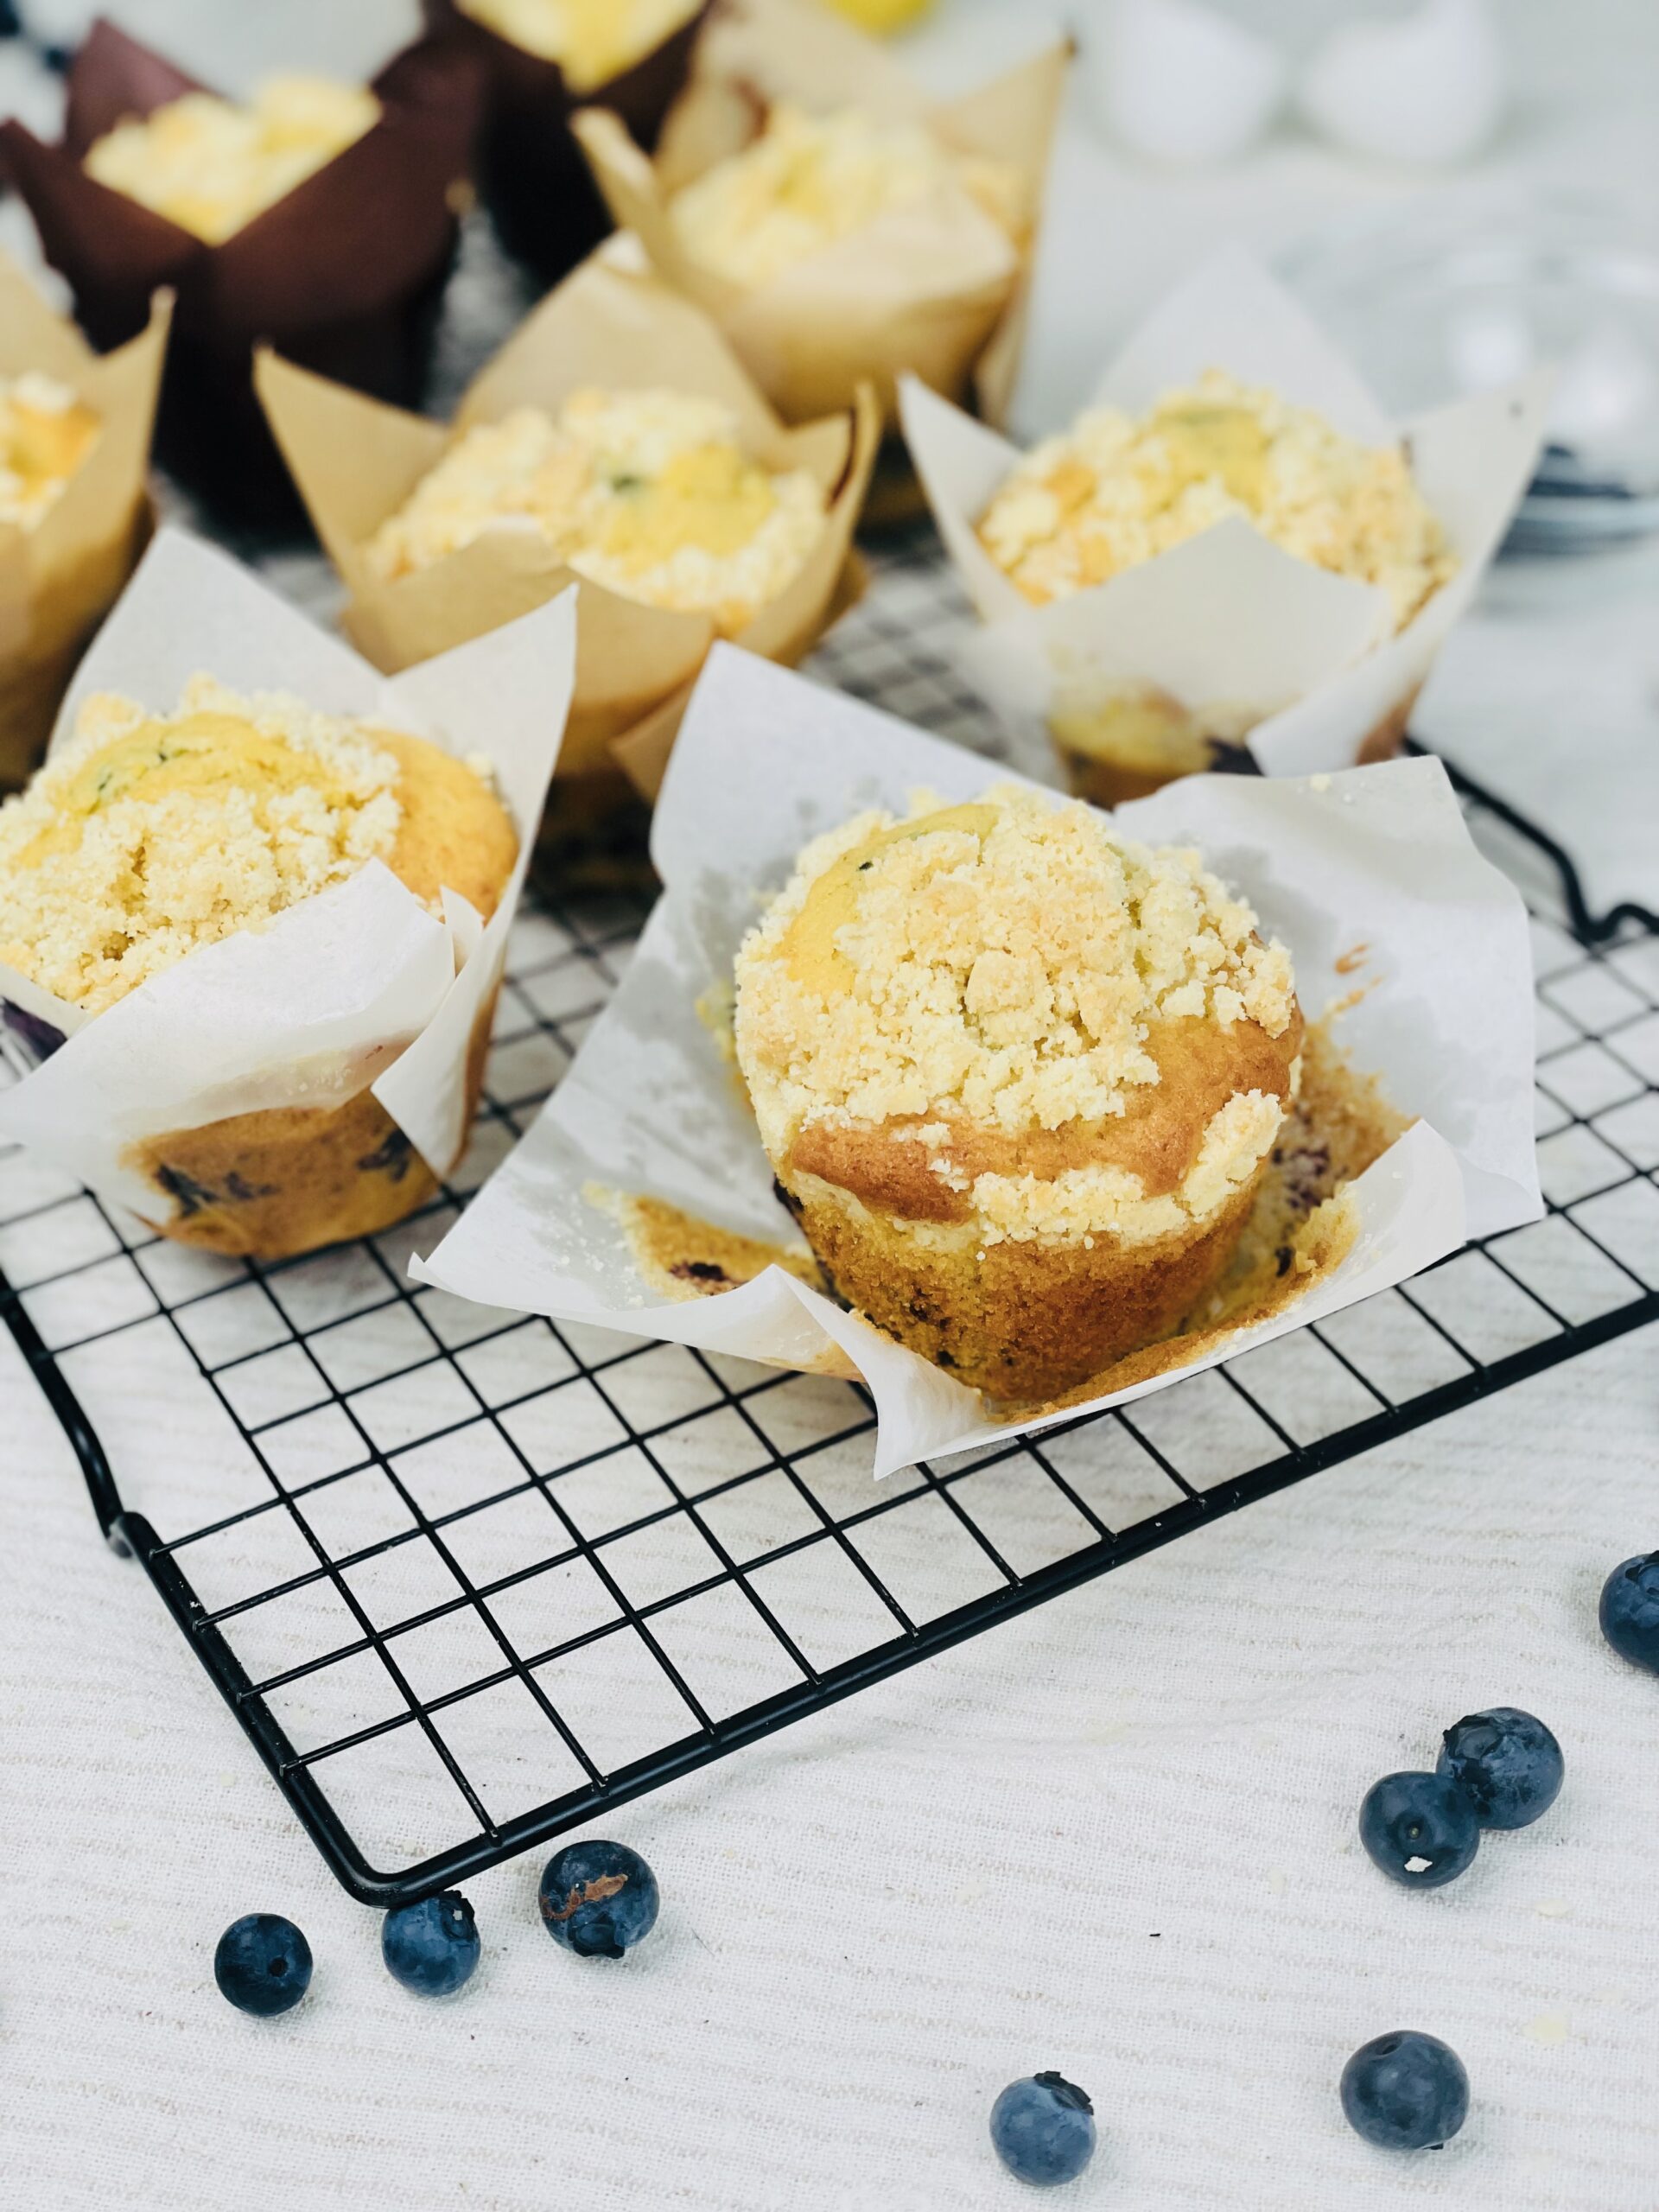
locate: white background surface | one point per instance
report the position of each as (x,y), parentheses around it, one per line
(1115,1837)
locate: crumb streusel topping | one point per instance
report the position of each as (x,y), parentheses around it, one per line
(45,433)
(650,493)
(808,181)
(1003,962)
(211,165)
(592,41)
(148,835)
(1114,490)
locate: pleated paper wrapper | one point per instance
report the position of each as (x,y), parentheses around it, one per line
(934,288)
(362,974)
(1377,857)
(356,462)
(1240,634)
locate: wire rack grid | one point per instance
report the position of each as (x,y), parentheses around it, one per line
(467,1578)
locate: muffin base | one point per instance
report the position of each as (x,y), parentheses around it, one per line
(271,1185)
(1108,781)
(1023,1321)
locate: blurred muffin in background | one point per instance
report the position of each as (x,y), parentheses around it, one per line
(211,165)
(841,225)
(322,217)
(807,181)
(75,449)
(1114,491)
(541,60)
(46,434)
(650,493)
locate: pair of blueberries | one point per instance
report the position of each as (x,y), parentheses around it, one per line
(597,1899)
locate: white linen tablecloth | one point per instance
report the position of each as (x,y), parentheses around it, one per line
(1115,1837)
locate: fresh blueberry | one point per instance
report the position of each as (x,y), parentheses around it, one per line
(432,1946)
(1630,1611)
(1405,2092)
(262,1964)
(1043,2130)
(1508,1765)
(1420,1830)
(598,1899)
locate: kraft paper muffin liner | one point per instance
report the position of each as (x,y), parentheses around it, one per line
(1367,875)
(934,288)
(1227,640)
(58,579)
(358,1007)
(345,274)
(531,175)
(356,462)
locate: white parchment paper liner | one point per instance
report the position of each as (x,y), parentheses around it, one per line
(360,975)
(1227,621)
(1374,857)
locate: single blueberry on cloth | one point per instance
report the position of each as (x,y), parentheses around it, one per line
(598,1899)
(262,1964)
(1421,1829)
(1405,2091)
(1043,2130)
(1507,1763)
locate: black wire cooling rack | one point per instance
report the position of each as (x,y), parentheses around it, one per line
(467,1579)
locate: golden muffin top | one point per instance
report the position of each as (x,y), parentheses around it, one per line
(807,181)
(45,433)
(592,41)
(650,493)
(1114,490)
(1002,961)
(211,165)
(147,836)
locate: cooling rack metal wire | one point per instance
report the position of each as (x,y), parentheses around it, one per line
(528,1572)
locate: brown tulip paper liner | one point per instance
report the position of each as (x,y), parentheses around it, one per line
(356,462)
(58,579)
(935,289)
(1365,875)
(345,274)
(286,1087)
(531,175)
(1227,642)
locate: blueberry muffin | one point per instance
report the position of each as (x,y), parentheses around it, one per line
(1116,490)
(211,165)
(592,41)
(146,837)
(45,433)
(1018,1079)
(806,182)
(650,493)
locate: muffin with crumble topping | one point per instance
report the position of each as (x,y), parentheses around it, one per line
(1018,1078)
(146,837)
(650,493)
(1116,490)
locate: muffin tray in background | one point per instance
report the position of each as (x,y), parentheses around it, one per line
(469,1580)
